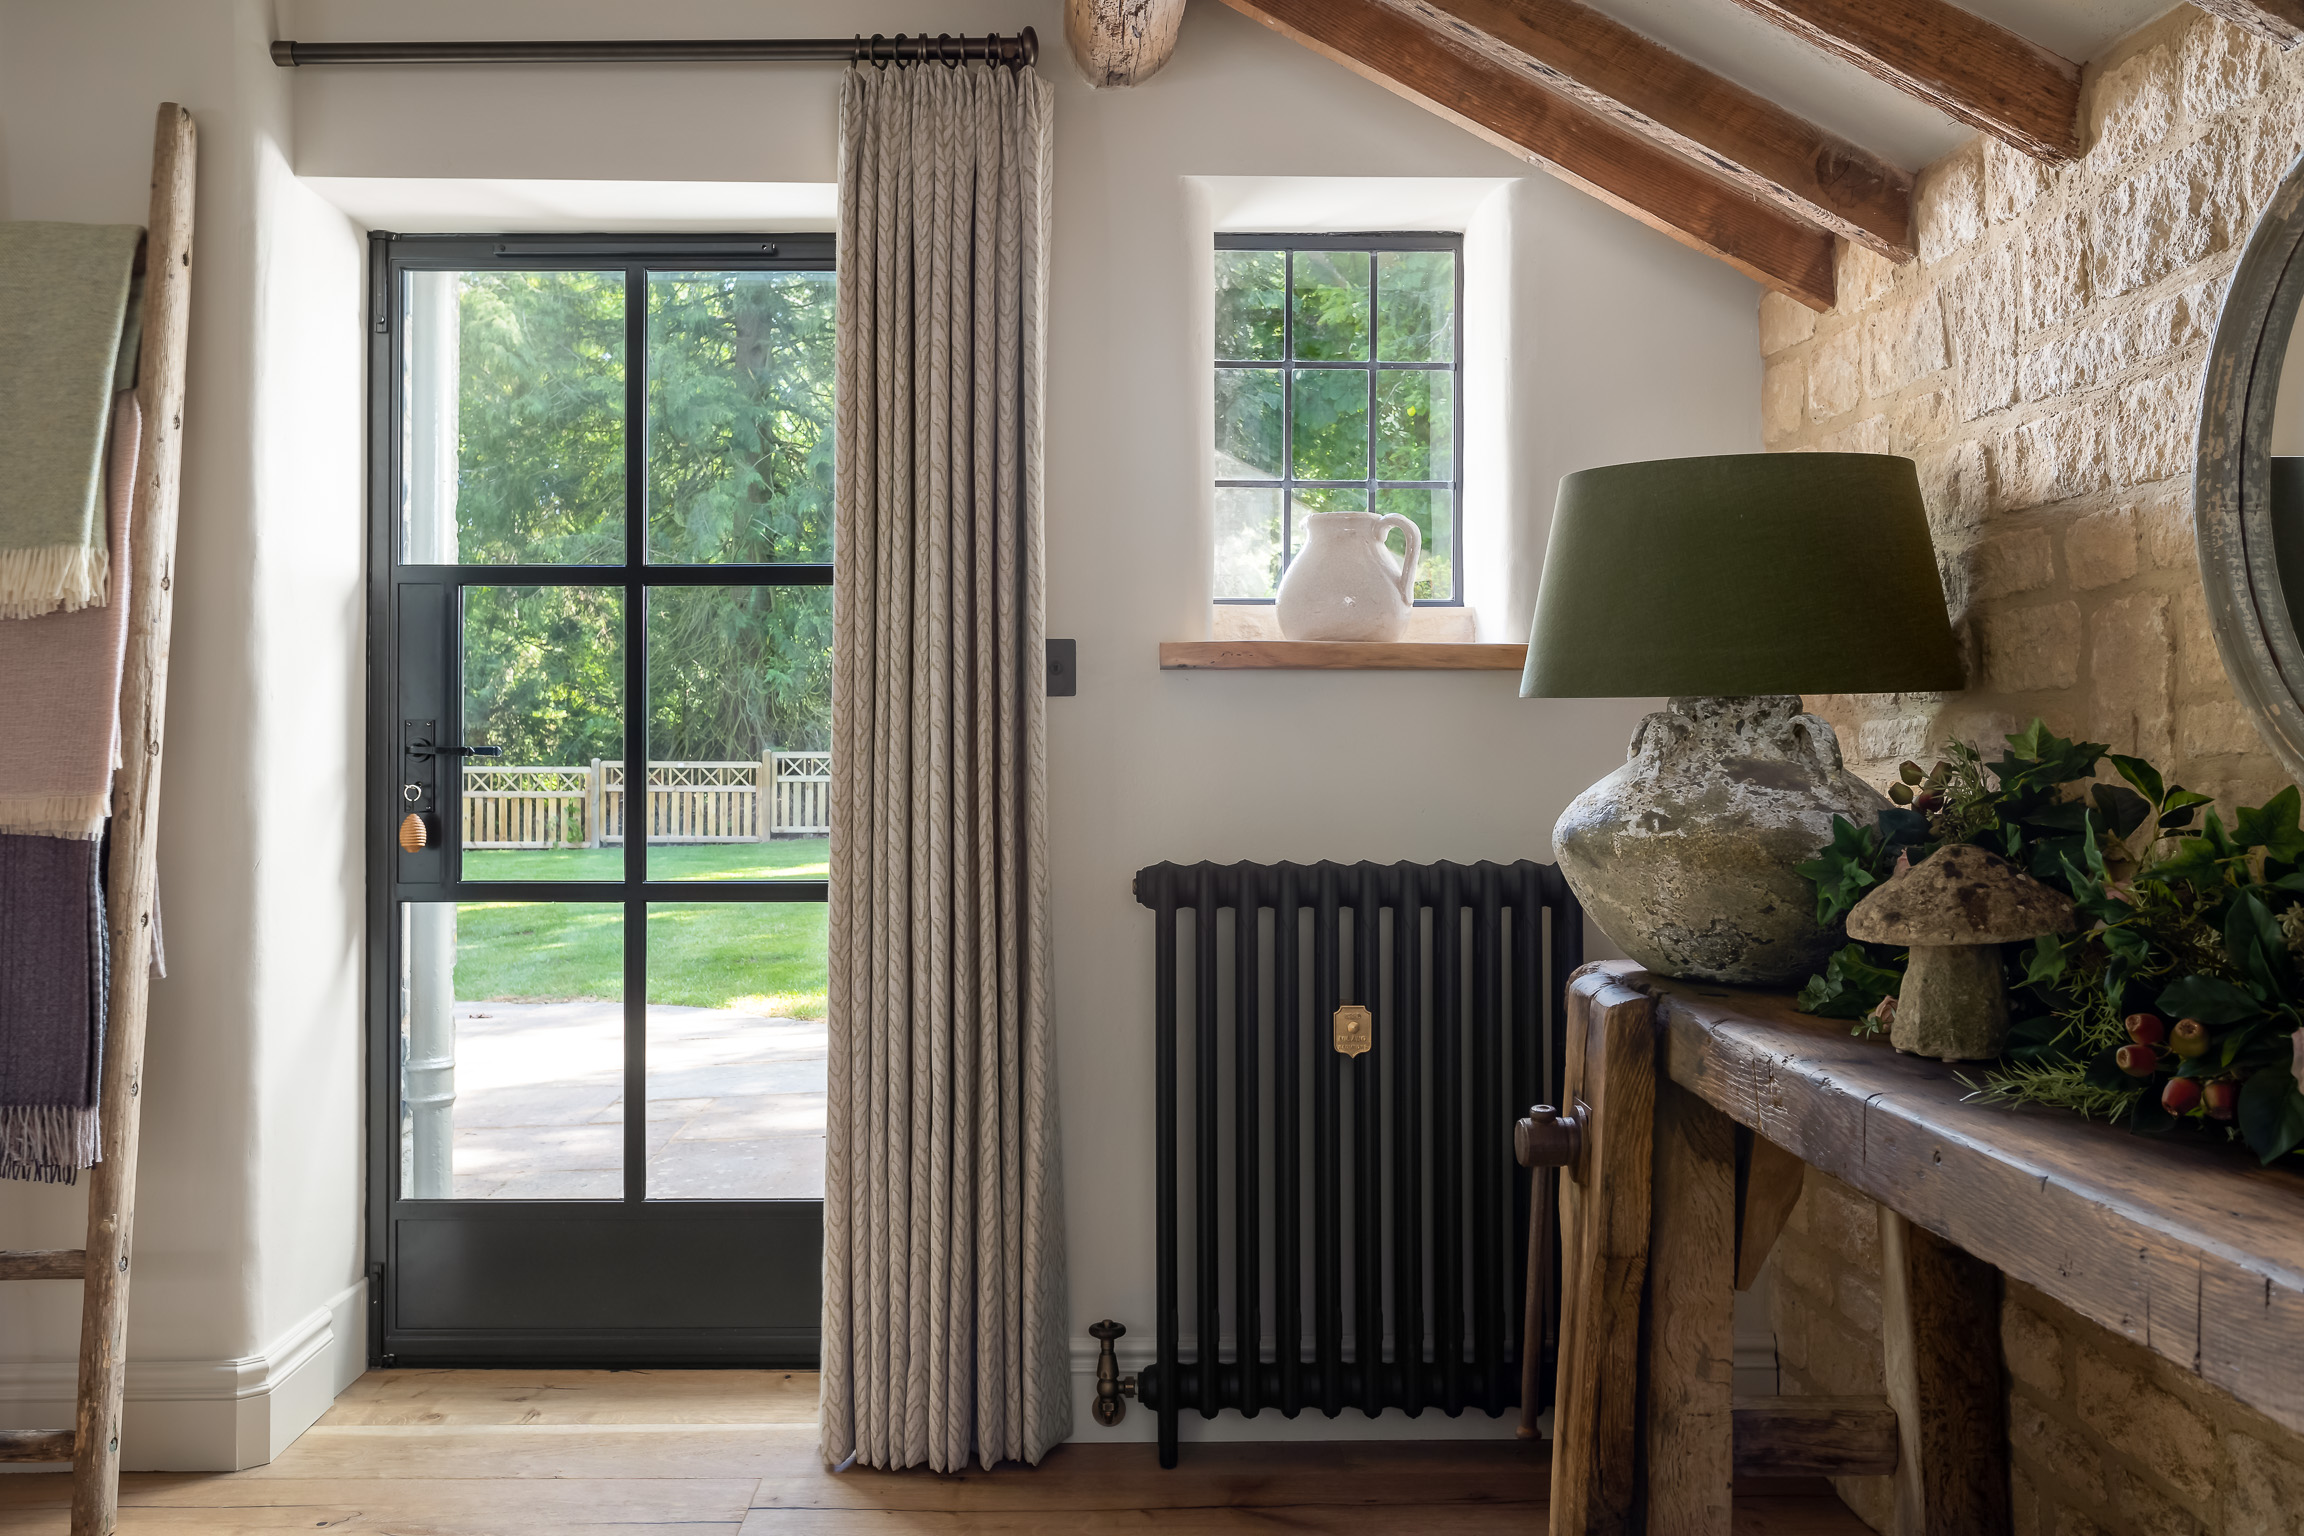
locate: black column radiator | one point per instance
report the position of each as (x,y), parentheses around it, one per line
(1358,1226)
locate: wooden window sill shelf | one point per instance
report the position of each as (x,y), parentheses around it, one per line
(1340,655)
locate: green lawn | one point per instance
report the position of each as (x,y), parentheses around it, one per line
(765,957)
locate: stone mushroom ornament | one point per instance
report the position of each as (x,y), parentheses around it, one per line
(1954,910)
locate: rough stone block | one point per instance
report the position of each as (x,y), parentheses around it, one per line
(1783,389)
(1836,374)
(1892,740)
(1903,342)
(2150,1425)
(1842,1361)
(2051,458)
(1846,1222)
(2101,549)
(2266,1494)
(2166,523)
(2202,664)
(2222,66)
(2031,650)
(2148,1512)
(2070,1522)
(2013,181)
(2024,561)
(2131,669)
(1948,202)
(1783,323)
(1864,278)
(2210,730)
(2164,218)
(1919,419)
(2055,269)
(2024,1504)
(1870,435)
(2057,1455)
(1956,483)
(2033,1348)
(1981,302)
(2132,108)
(1858,1300)
(2155,428)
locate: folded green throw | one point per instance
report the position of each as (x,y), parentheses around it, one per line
(67,341)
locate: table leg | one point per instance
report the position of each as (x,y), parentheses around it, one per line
(1940,1329)
(1690,1354)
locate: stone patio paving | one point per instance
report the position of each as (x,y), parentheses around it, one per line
(735,1103)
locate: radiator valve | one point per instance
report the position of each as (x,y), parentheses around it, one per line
(1111,1386)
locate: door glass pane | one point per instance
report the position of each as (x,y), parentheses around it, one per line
(512,400)
(511,1051)
(543,675)
(739,416)
(736,1050)
(739,733)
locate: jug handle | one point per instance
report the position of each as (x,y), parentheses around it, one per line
(1415,549)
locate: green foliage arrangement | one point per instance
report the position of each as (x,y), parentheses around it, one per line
(2178,1001)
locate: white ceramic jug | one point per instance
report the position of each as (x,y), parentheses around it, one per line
(1342,585)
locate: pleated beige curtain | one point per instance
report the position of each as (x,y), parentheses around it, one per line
(944,1310)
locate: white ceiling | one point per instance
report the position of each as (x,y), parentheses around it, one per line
(1762,57)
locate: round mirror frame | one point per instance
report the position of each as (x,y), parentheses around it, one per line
(2232,481)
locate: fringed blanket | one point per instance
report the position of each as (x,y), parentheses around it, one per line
(61,677)
(66,326)
(55,976)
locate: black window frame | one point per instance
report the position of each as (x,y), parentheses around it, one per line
(682,1225)
(1287,246)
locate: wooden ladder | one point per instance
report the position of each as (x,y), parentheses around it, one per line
(92,1445)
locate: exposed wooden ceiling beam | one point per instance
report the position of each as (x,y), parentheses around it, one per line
(1955,60)
(2276,21)
(1622,169)
(1119,42)
(1607,67)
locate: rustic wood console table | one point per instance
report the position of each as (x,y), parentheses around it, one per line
(2189,1249)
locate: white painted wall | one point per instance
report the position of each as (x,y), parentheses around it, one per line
(245,1315)
(1607,343)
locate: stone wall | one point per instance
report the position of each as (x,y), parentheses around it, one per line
(2042,362)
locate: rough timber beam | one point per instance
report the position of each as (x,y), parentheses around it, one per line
(1120,42)
(1954,60)
(2280,22)
(1622,169)
(1641,86)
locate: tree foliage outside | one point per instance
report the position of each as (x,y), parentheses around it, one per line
(739,470)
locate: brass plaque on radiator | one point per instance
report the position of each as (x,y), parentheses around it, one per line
(1355,1030)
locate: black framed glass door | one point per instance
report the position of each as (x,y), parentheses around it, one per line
(600,610)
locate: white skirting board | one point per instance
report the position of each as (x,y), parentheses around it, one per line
(210,1415)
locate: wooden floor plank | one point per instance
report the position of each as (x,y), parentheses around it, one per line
(412,1397)
(726,1453)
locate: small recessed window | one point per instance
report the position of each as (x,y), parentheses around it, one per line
(1338,389)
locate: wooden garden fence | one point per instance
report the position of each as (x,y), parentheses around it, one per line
(783,794)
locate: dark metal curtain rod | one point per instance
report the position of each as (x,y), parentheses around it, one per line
(946,48)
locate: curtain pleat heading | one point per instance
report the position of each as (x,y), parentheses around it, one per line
(944,1304)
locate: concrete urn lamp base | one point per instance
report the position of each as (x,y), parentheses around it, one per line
(1687,855)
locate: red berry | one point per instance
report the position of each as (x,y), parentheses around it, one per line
(2181,1094)
(2137,1060)
(2188,1039)
(2147,1028)
(2223,1099)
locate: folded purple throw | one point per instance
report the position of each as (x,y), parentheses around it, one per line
(55,976)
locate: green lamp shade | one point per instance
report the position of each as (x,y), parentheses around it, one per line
(1760,573)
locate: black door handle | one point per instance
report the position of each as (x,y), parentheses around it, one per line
(425,749)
